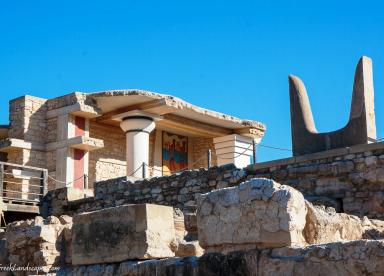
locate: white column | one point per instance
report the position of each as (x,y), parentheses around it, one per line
(234,149)
(137,130)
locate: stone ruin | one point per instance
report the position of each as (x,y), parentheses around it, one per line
(259,227)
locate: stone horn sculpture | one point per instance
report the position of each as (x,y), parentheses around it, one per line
(360,129)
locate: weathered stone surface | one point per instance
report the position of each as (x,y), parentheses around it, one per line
(38,242)
(351,181)
(189,248)
(324,225)
(178,218)
(190,220)
(177,190)
(127,232)
(334,259)
(342,180)
(258,212)
(373,229)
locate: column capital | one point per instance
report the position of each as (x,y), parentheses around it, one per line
(136,114)
(137,121)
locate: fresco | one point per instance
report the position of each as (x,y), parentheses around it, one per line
(175,153)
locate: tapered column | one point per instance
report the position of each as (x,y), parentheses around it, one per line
(137,129)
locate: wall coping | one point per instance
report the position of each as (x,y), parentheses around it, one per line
(316,156)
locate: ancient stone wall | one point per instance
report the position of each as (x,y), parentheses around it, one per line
(257,222)
(70,99)
(179,190)
(351,180)
(200,147)
(27,122)
(361,257)
(109,161)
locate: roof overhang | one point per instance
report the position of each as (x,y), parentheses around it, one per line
(174,111)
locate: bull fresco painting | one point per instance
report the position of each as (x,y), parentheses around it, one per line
(175,153)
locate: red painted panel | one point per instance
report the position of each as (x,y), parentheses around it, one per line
(79,168)
(79,126)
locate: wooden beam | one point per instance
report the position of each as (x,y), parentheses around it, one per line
(197,128)
(153,105)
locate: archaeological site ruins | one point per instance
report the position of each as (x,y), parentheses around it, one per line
(130,182)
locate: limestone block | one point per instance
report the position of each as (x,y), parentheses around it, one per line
(38,242)
(325,225)
(189,248)
(127,232)
(259,212)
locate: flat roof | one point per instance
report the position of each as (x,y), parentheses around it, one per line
(111,100)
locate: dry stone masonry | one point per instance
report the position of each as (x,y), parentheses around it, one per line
(351,180)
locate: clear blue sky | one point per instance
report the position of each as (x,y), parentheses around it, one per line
(229,56)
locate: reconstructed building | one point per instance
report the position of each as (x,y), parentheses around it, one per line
(82,138)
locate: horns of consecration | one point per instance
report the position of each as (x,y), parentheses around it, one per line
(360,129)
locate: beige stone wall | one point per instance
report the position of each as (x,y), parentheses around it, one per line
(16,118)
(27,122)
(200,146)
(51,130)
(69,99)
(27,118)
(108,162)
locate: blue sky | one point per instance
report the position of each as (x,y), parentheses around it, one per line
(229,56)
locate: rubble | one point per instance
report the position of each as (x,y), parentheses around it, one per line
(39,242)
